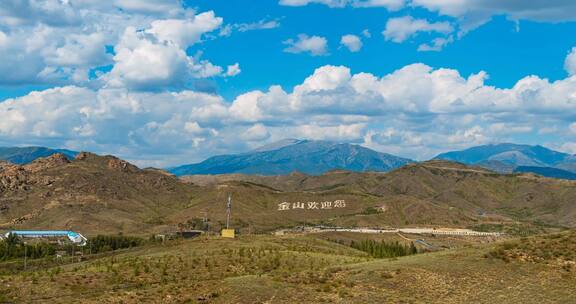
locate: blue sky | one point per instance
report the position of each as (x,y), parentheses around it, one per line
(163,82)
(498,48)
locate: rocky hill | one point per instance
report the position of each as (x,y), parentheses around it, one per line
(94,193)
(103,194)
(434,192)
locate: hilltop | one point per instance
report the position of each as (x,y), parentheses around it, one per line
(93,193)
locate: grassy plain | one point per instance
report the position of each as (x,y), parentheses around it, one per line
(303,268)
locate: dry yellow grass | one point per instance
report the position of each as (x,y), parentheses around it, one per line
(289,269)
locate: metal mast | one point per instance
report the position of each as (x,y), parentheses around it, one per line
(228,210)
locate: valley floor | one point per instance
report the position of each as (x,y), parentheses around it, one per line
(292,269)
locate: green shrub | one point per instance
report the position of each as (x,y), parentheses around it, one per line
(384,249)
(103,243)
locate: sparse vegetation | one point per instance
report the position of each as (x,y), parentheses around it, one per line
(556,249)
(107,195)
(197,224)
(12,248)
(305,269)
(515,229)
(384,249)
(371,210)
(103,243)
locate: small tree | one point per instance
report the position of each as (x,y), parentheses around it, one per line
(12,240)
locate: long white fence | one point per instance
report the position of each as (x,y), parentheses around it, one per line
(432,231)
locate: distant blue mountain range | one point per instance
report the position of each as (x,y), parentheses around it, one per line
(521,155)
(508,158)
(316,157)
(547,171)
(24,155)
(307,156)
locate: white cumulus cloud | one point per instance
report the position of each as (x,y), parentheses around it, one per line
(402,28)
(392,5)
(416,111)
(467,14)
(539,10)
(70,43)
(233,70)
(436,45)
(185,32)
(141,62)
(315,45)
(260,25)
(330,3)
(352,42)
(570,62)
(257,132)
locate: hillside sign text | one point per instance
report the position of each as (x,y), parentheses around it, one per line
(312,205)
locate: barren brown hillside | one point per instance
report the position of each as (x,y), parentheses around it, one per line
(92,193)
(103,194)
(425,192)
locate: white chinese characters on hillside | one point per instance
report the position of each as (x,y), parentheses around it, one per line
(312,205)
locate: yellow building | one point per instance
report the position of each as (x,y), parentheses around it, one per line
(228,233)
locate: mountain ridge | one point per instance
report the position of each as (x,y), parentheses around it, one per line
(492,151)
(24,155)
(508,158)
(307,156)
(318,157)
(105,194)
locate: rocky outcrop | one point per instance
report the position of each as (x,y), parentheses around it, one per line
(109,161)
(40,164)
(14,177)
(85,156)
(121,165)
(4,165)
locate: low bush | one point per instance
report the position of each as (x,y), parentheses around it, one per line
(103,243)
(384,249)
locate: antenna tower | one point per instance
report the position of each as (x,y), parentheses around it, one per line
(228,210)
